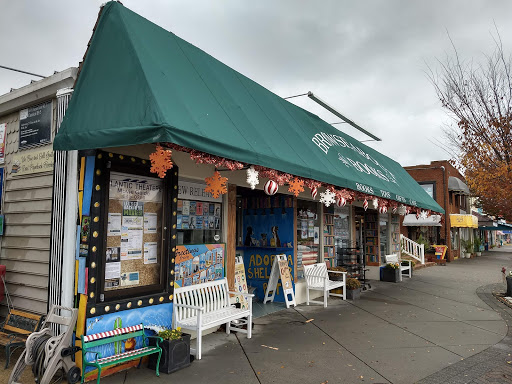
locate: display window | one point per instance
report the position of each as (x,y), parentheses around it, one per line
(384,235)
(308,239)
(199,215)
(130,236)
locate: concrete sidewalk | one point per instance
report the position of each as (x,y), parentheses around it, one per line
(396,333)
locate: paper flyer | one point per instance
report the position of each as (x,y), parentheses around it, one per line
(150,252)
(112,270)
(131,243)
(114,224)
(129,278)
(150,222)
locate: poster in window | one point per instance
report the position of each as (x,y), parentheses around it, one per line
(114,224)
(35,125)
(150,252)
(199,263)
(112,270)
(112,254)
(150,222)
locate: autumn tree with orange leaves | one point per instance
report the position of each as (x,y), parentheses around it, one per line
(478,96)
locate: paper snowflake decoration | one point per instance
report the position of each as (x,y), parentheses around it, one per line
(423,215)
(160,161)
(252,177)
(216,185)
(375,203)
(296,186)
(327,198)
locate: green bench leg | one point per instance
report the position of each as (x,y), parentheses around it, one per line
(158,363)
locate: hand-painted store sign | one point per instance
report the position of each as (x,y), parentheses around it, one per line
(25,162)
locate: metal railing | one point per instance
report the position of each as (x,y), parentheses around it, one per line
(412,249)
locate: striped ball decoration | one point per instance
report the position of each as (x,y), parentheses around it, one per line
(340,201)
(383,209)
(314,192)
(365,204)
(271,187)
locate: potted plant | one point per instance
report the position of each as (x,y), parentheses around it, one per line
(175,350)
(478,244)
(336,276)
(468,248)
(391,272)
(353,289)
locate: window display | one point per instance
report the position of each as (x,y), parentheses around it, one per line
(199,215)
(308,244)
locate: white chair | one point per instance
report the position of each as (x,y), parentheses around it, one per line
(394,259)
(317,279)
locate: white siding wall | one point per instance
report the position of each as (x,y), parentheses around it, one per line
(25,246)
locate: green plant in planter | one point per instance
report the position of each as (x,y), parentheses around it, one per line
(468,246)
(478,244)
(171,334)
(353,284)
(392,266)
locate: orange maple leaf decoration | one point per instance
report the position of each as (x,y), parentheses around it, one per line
(216,184)
(160,161)
(296,186)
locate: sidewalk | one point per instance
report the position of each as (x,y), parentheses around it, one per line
(400,333)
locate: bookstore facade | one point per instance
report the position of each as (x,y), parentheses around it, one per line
(199,164)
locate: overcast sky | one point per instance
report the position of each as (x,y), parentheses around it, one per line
(367,59)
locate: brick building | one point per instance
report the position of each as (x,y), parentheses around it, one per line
(443,182)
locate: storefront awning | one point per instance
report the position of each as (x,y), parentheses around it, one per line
(497,227)
(142,84)
(463,221)
(457,185)
(431,221)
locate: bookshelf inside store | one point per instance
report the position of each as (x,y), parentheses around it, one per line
(371,239)
(395,234)
(329,243)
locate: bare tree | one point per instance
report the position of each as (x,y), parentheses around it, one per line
(478,96)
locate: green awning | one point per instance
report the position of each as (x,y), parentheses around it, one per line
(142,84)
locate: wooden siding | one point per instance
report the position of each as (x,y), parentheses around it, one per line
(25,246)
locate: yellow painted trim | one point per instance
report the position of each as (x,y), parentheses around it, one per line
(80,199)
(80,328)
(76,277)
(82,174)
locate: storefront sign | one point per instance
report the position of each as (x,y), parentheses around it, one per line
(36,125)
(124,186)
(2,143)
(240,282)
(280,270)
(199,263)
(25,163)
(195,191)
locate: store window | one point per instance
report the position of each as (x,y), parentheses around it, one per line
(199,214)
(308,237)
(342,227)
(455,238)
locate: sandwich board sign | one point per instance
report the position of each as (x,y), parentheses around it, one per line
(240,282)
(280,270)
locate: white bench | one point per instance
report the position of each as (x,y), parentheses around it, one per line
(317,279)
(394,259)
(202,306)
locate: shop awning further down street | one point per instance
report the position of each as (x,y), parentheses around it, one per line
(410,220)
(142,84)
(463,221)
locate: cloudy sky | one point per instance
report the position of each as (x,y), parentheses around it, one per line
(367,59)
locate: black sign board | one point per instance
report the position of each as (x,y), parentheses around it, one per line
(36,125)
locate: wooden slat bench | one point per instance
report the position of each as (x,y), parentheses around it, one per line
(17,327)
(317,278)
(94,340)
(202,306)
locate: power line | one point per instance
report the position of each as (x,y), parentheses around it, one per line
(20,71)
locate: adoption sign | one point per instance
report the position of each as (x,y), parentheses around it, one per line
(124,186)
(199,263)
(25,163)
